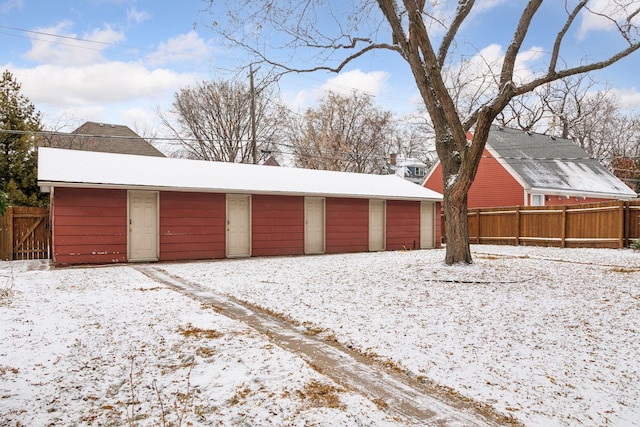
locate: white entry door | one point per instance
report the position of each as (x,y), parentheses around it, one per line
(143,226)
(377,225)
(313,225)
(427,225)
(238,225)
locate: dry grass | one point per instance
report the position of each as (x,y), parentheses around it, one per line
(191,331)
(625,270)
(321,395)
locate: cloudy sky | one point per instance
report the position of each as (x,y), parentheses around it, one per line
(117,61)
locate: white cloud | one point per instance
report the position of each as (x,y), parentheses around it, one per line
(346,83)
(136,16)
(56,45)
(184,47)
(98,84)
(598,21)
(9,5)
(484,5)
(372,83)
(628,98)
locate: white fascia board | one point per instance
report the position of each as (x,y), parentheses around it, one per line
(573,193)
(52,184)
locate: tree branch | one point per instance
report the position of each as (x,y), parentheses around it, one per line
(512,51)
(462,11)
(556,46)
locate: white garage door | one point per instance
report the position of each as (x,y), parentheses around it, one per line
(143,226)
(313,225)
(377,225)
(427,225)
(238,225)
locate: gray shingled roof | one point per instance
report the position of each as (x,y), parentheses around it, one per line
(106,138)
(553,165)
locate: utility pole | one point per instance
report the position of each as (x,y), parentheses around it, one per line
(253,115)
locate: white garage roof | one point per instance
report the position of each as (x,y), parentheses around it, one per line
(70,168)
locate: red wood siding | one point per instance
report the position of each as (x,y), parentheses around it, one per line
(403,225)
(89,226)
(277,224)
(347,225)
(556,201)
(192,225)
(493,186)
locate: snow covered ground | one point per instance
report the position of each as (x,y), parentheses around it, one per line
(550,336)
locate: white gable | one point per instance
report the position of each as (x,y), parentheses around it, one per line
(69,168)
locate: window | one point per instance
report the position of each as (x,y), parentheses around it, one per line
(537,200)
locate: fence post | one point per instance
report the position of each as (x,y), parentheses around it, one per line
(9,225)
(478,235)
(621,225)
(517,225)
(627,224)
(563,237)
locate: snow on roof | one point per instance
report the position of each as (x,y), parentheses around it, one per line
(551,164)
(69,168)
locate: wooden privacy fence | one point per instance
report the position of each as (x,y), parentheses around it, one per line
(599,225)
(25,234)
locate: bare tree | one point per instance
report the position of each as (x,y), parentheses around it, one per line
(580,109)
(333,34)
(212,121)
(415,139)
(343,133)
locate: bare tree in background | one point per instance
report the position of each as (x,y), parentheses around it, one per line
(580,109)
(415,139)
(329,35)
(212,121)
(343,133)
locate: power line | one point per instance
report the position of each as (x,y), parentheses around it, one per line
(61,36)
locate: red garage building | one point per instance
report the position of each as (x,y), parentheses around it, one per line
(109,208)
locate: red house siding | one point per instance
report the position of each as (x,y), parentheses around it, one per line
(556,201)
(89,226)
(403,225)
(493,186)
(347,225)
(277,225)
(192,226)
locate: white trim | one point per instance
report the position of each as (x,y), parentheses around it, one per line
(540,196)
(53,184)
(107,170)
(431,172)
(586,194)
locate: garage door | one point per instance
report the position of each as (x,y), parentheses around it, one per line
(313,225)
(238,225)
(143,226)
(377,225)
(427,225)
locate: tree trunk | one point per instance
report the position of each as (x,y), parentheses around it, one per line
(456,228)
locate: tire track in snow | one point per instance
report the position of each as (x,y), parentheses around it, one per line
(404,396)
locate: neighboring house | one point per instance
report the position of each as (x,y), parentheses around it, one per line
(521,168)
(108,208)
(105,138)
(411,169)
(271,161)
